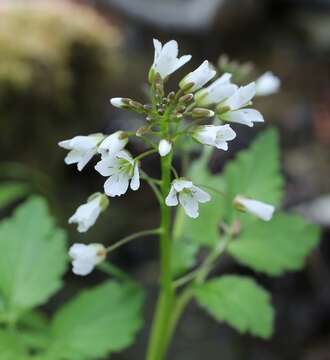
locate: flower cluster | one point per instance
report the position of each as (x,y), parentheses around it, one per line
(203,108)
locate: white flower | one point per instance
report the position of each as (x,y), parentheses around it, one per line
(113,143)
(86,257)
(121,169)
(164,147)
(87,214)
(241,97)
(233,109)
(82,149)
(188,195)
(214,135)
(166,59)
(267,84)
(258,208)
(217,92)
(199,77)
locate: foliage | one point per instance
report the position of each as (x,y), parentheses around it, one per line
(32,262)
(269,247)
(240,302)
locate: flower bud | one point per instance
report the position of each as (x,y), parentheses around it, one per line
(201,112)
(185,99)
(164,147)
(121,103)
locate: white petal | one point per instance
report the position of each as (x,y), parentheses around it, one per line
(82,268)
(86,215)
(199,77)
(258,208)
(125,155)
(135,181)
(85,159)
(180,184)
(241,97)
(244,116)
(166,60)
(158,49)
(113,143)
(189,204)
(172,198)
(217,92)
(117,184)
(65,144)
(73,157)
(164,147)
(107,166)
(206,134)
(267,84)
(200,195)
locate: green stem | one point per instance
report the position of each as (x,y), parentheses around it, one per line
(131,237)
(157,345)
(114,271)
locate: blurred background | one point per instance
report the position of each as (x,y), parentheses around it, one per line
(61,61)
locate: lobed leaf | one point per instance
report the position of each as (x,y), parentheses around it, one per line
(97,321)
(32,257)
(276,246)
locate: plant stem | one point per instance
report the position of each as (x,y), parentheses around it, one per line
(131,237)
(157,345)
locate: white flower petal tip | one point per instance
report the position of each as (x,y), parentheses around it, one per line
(87,214)
(268,84)
(164,147)
(82,149)
(216,136)
(166,60)
(198,78)
(122,170)
(241,97)
(217,92)
(244,116)
(258,208)
(186,194)
(113,143)
(86,257)
(118,102)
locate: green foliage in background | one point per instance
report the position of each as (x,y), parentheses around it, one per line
(57,62)
(267,247)
(33,259)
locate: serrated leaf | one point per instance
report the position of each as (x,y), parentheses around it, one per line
(10,192)
(276,246)
(255,173)
(97,322)
(11,348)
(32,257)
(240,302)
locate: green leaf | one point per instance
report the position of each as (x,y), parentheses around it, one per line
(240,302)
(11,348)
(98,321)
(12,191)
(255,173)
(276,246)
(32,257)
(183,255)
